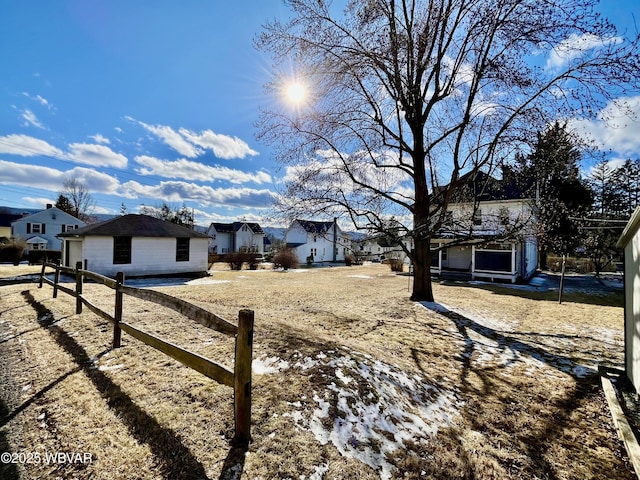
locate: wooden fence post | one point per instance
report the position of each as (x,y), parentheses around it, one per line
(78,287)
(56,279)
(117,315)
(242,378)
(44,265)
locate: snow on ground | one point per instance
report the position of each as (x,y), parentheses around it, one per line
(489,344)
(376,406)
(367,409)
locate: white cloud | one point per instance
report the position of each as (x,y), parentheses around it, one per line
(37,98)
(30,119)
(27,146)
(48,178)
(96,155)
(190,170)
(616,127)
(202,194)
(192,144)
(98,138)
(172,138)
(574,46)
(222,146)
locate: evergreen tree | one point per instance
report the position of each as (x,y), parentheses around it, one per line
(627,179)
(551,176)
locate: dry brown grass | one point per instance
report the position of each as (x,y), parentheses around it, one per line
(520,366)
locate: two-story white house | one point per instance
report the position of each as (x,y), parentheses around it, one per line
(245,237)
(39,230)
(318,242)
(503,245)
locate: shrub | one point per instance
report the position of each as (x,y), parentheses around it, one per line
(12,252)
(350,259)
(285,259)
(36,257)
(396,264)
(237,259)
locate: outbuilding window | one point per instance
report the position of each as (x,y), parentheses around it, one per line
(121,250)
(182,249)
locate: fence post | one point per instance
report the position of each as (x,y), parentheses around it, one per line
(56,279)
(78,287)
(242,378)
(117,333)
(44,265)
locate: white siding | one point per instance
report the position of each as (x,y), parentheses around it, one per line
(53,218)
(149,256)
(632,308)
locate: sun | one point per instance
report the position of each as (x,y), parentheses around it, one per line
(296,93)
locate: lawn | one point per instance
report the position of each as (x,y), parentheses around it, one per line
(350,380)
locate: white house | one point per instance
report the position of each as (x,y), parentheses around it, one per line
(488,256)
(41,229)
(138,245)
(317,242)
(243,237)
(630,243)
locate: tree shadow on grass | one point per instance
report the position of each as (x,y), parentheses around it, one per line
(173,458)
(8,470)
(606,297)
(511,350)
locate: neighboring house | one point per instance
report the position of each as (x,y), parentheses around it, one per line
(487,255)
(630,242)
(6,219)
(233,237)
(138,245)
(315,242)
(380,247)
(40,229)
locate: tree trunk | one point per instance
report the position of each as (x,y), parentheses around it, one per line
(422,288)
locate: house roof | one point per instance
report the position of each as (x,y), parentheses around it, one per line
(52,213)
(134,226)
(37,239)
(630,230)
(312,226)
(235,226)
(6,219)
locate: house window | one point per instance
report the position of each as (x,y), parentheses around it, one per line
(67,228)
(182,249)
(36,228)
(314,252)
(121,250)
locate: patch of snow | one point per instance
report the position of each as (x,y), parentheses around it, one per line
(370,426)
(106,368)
(268,365)
(488,345)
(359,276)
(319,472)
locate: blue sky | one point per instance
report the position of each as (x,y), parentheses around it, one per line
(150,101)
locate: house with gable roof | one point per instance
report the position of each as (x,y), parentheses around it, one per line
(318,242)
(488,233)
(40,229)
(245,237)
(138,245)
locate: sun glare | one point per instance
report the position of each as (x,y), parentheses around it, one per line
(296,93)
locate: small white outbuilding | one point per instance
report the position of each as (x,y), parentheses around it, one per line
(630,242)
(138,245)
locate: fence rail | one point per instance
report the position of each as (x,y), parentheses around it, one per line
(239,379)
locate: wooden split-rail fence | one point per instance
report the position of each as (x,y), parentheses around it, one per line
(239,379)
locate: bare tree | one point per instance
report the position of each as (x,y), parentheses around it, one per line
(409,99)
(76,199)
